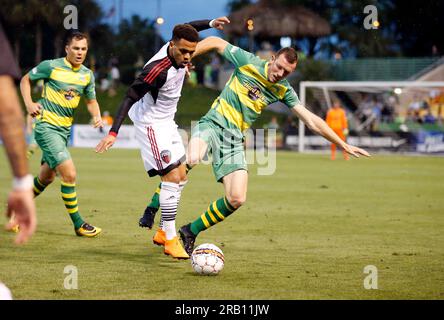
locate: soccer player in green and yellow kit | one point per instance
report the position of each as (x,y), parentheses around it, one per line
(254,84)
(66,81)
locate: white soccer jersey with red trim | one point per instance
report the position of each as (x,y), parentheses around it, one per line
(160,103)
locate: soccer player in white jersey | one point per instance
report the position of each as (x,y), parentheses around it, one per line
(151,103)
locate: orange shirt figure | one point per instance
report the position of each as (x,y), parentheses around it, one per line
(337,121)
(107,119)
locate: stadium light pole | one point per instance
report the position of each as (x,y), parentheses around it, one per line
(159,22)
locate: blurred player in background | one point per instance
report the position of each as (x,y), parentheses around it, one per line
(20,199)
(66,81)
(337,121)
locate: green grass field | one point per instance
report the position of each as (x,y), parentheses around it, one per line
(306,232)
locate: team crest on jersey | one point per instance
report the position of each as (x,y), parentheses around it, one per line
(166,156)
(70,94)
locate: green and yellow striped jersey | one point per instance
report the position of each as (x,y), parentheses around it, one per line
(64,85)
(248,91)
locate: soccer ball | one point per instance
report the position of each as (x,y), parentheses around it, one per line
(5,293)
(207,259)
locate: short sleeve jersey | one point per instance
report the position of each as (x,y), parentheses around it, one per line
(248,91)
(63,87)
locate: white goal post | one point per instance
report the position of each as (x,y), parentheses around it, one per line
(368,86)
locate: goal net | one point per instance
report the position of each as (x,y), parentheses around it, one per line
(389,116)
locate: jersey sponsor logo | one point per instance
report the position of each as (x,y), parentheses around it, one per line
(254,93)
(234,49)
(166,156)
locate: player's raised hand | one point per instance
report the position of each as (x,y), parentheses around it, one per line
(219,23)
(34,109)
(97,122)
(355,151)
(21,204)
(189,67)
(105,143)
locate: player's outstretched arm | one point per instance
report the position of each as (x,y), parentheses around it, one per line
(316,124)
(210,43)
(94,111)
(135,92)
(217,23)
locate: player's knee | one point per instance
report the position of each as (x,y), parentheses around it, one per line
(237,200)
(69,177)
(173,176)
(47,180)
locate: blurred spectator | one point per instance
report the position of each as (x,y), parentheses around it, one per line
(215,68)
(266,51)
(207,76)
(376,114)
(114,78)
(104,84)
(289,128)
(429,117)
(273,124)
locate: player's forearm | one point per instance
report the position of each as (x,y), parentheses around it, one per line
(200,25)
(25,89)
(11,127)
(121,115)
(210,43)
(316,124)
(320,127)
(93,108)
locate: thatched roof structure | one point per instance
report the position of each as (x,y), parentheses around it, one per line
(277,21)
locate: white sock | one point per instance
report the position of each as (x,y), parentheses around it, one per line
(168,205)
(181,186)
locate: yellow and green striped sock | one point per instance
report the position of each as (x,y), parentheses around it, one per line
(155,199)
(69,196)
(216,212)
(38,187)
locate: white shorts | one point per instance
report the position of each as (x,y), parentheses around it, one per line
(161,146)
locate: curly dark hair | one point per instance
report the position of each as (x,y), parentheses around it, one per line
(185,31)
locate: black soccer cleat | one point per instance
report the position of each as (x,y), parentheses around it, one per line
(188,238)
(147,219)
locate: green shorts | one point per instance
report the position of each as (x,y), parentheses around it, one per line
(53,141)
(226,147)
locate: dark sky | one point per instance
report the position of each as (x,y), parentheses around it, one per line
(173,11)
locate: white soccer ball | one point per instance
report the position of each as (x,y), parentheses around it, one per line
(207,259)
(5,293)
